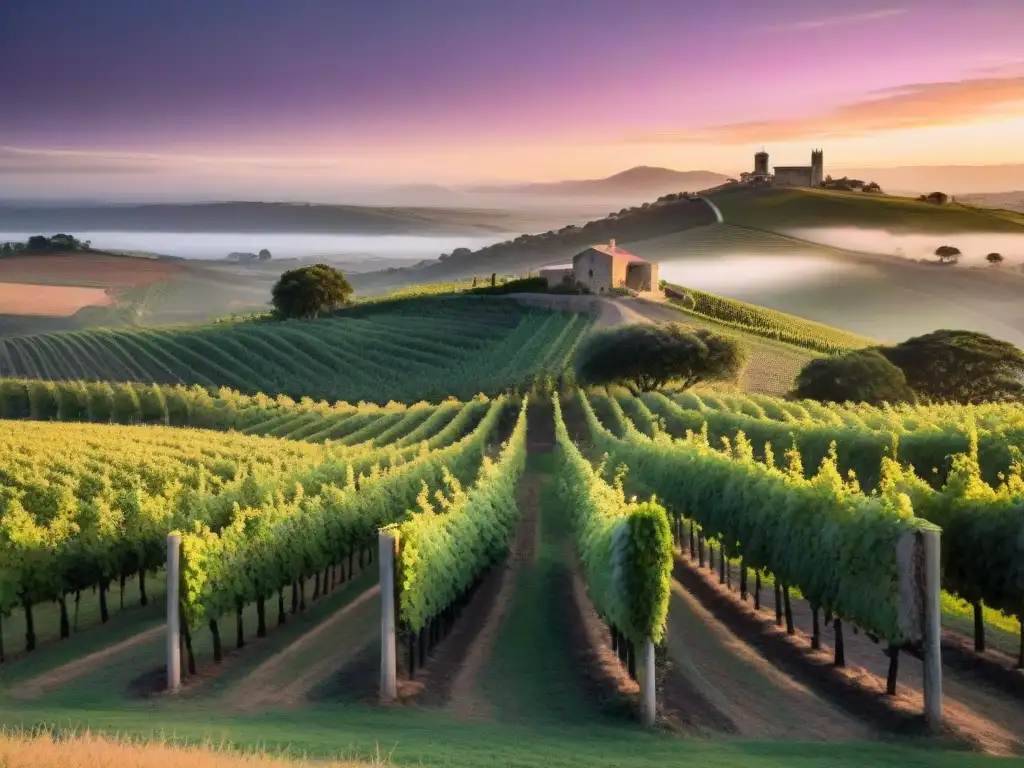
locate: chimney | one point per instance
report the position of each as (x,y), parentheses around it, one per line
(611,243)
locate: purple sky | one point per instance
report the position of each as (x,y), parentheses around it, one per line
(460,90)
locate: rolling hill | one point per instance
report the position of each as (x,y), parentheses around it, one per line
(307,218)
(782,209)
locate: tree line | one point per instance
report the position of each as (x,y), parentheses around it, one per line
(60,243)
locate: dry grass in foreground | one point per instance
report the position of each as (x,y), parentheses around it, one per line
(90,751)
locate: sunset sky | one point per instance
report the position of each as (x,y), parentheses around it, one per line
(279,97)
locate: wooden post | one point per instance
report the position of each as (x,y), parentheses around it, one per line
(388,652)
(932,632)
(173,616)
(917,555)
(649,684)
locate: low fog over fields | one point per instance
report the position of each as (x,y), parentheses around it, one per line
(879,296)
(974,245)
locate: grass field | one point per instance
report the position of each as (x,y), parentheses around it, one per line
(781,209)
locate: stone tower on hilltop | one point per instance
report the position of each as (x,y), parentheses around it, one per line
(817,167)
(761,163)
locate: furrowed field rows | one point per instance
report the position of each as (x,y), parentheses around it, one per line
(764,322)
(428,348)
(85,504)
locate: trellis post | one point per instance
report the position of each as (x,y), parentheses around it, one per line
(388,650)
(173,615)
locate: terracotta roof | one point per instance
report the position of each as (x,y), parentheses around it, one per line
(617,253)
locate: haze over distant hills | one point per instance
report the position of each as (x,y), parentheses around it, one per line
(951,179)
(643,181)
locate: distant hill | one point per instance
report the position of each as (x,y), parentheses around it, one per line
(951,179)
(668,214)
(774,209)
(643,182)
(307,218)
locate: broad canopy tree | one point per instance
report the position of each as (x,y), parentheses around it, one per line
(306,292)
(864,376)
(646,357)
(948,254)
(960,366)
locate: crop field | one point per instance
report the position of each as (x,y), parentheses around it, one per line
(521,624)
(550,554)
(767,323)
(407,351)
(95,270)
(49,300)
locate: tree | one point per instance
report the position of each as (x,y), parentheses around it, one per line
(264,255)
(960,366)
(307,291)
(863,376)
(995,259)
(948,254)
(936,198)
(645,357)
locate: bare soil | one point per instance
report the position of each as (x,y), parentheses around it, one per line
(753,698)
(66,673)
(974,713)
(87,269)
(463,698)
(261,688)
(997,668)
(49,300)
(434,683)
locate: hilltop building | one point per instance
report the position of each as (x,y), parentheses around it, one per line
(789,175)
(600,268)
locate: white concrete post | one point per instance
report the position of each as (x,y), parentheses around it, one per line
(648,684)
(388,650)
(932,631)
(917,554)
(173,618)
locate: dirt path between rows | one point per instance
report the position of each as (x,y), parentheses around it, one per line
(258,688)
(743,687)
(990,719)
(66,673)
(463,697)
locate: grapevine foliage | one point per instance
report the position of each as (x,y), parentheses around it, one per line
(445,546)
(625,547)
(819,534)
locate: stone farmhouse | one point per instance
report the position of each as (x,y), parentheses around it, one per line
(600,268)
